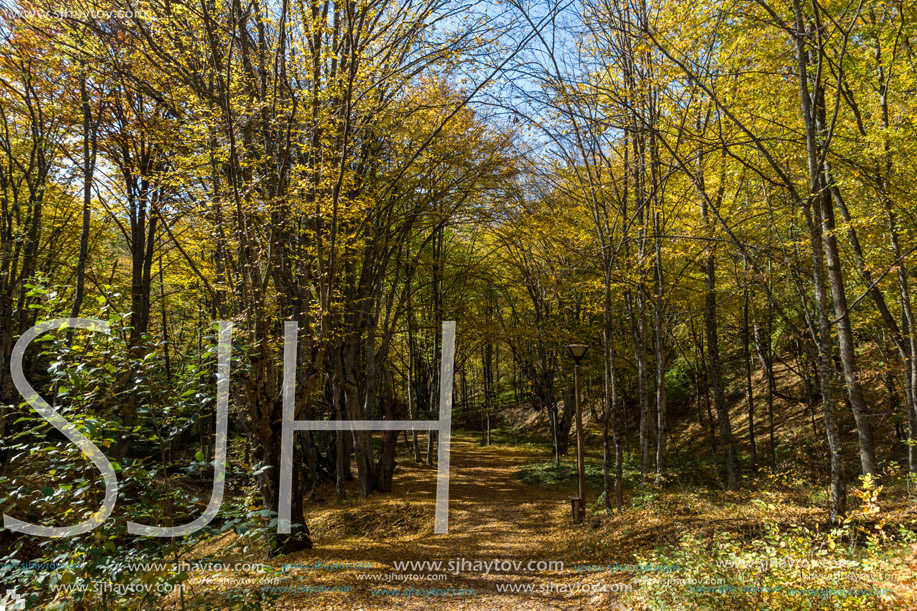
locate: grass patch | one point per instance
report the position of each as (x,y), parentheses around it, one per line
(549,475)
(507,436)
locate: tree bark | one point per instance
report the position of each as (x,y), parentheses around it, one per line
(89,153)
(749,389)
(659,333)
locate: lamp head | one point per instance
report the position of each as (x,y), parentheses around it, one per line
(577,351)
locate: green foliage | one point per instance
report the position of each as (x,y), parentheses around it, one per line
(645,498)
(788,566)
(679,386)
(549,475)
(90,378)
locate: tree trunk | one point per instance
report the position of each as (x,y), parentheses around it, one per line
(762,348)
(611,404)
(385,468)
(659,333)
(908,323)
(812,106)
(89,153)
(715,376)
(638,331)
(748,386)
(812,211)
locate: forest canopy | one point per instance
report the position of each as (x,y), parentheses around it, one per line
(715,197)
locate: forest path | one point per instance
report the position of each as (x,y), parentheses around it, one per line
(493,516)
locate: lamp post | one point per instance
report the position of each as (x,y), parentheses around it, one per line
(577,352)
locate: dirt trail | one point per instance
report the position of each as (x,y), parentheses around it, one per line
(493,516)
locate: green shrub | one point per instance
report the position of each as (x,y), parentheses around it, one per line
(790,567)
